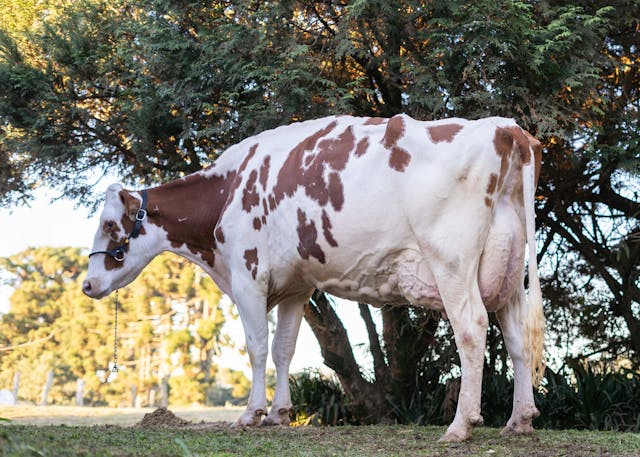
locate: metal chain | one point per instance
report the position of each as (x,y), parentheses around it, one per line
(114,369)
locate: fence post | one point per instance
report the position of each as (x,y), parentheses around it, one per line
(16,385)
(80,392)
(164,391)
(46,388)
(134,395)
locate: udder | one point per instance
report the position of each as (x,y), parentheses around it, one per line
(501,266)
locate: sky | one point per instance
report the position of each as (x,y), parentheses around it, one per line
(60,223)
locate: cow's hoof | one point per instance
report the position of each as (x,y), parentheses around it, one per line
(521,428)
(249,419)
(455,436)
(521,424)
(456,432)
(277,417)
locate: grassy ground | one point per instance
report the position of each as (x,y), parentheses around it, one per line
(70,415)
(216,439)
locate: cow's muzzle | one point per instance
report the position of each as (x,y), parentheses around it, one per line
(91,288)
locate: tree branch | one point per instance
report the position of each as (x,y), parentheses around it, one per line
(380,367)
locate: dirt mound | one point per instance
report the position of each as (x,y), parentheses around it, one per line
(162,417)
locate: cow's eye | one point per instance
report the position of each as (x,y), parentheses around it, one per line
(108,227)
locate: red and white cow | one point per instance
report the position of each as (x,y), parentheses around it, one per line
(384,211)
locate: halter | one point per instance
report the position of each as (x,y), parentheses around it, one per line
(117,253)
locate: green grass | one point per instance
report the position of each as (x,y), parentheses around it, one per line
(20,440)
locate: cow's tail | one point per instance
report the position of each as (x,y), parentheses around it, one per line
(534,316)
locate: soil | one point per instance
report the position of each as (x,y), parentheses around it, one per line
(164,418)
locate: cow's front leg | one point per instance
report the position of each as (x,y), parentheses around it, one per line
(284,345)
(252,307)
(469,321)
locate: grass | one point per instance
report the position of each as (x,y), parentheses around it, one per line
(221,441)
(70,415)
(61,441)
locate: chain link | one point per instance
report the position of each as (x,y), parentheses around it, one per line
(114,369)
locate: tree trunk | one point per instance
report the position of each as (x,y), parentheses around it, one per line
(396,363)
(366,399)
(47,387)
(405,345)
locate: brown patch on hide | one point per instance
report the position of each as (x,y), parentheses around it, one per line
(308,239)
(330,158)
(399,158)
(219,235)
(250,197)
(363,144)
(264,172)
(444,132)
(376,121)
(199,201)
(251,261)
(503,144)
(326,230)
(111,229)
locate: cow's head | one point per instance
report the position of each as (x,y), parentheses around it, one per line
(123,244)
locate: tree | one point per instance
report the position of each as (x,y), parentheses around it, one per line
(155,89)
(51,325)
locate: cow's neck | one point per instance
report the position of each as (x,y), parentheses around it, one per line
(188,209)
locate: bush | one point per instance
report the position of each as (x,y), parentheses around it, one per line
(317,400)
(586,396)
(590,397)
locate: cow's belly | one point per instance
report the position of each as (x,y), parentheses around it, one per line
(403,275)
(399,277)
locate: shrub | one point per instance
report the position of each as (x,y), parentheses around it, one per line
(318,400)
(590,397)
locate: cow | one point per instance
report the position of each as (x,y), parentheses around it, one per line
(384,211)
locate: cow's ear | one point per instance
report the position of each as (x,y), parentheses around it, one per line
(131,204)
(112,192)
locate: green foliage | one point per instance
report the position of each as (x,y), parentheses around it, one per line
(51,325)
(587,396)
(318,400)
(184,390)
(594,398)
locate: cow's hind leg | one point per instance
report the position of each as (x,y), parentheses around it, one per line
(469,320)
(252,307)
(284,345)
(511,319)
